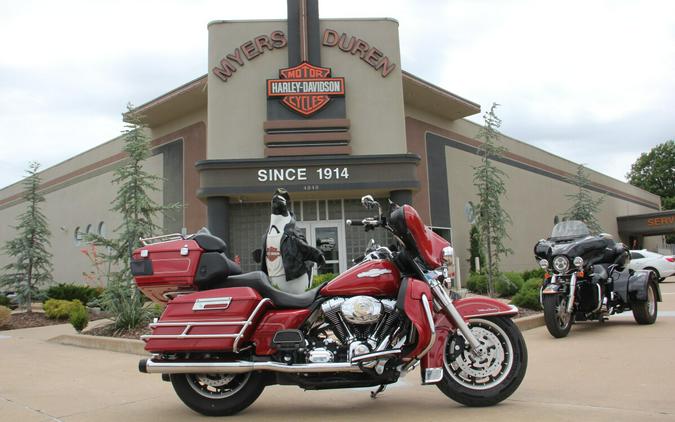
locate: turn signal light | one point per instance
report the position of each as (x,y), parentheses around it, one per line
(580,274)
(547,276)
(670,258)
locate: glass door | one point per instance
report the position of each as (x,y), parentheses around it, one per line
(329,238)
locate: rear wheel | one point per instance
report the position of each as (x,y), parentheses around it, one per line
(645,312)
(493,376)
(558,320)
(218,394)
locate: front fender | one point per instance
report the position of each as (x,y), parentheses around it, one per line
(470,307)
(550,289)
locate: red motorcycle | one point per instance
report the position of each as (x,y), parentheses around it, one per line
(224,336)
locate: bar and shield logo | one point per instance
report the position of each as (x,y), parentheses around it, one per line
(305,88)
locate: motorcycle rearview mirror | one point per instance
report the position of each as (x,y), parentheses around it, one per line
(369,202)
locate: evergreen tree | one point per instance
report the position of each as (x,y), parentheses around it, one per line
(584,206)
(32,261)
(491,217)
(137,210)
(475,248)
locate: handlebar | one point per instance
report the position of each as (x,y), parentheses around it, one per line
(368,222)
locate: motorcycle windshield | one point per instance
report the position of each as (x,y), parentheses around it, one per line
(570,230)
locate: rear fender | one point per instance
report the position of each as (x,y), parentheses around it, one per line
(637,286)
(471,307)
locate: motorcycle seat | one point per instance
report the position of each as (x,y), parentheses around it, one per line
(259,281)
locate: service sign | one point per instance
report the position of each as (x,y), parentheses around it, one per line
(305,88)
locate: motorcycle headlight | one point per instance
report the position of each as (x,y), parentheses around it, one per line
(578,262)
(561,264)
(543,264)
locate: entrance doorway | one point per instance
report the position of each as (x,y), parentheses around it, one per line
(329,237)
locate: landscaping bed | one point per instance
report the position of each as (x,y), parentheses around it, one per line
(110,331)
(524,312)
(20,320)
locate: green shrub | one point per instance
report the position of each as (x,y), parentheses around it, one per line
(477,283)
(79,317)
(535,273)
(528,296)
(60,309)
(534,283)
(123,300)
(5,315)
(508,284)
(4,301)
(70,291)
(157,309)
(321,278)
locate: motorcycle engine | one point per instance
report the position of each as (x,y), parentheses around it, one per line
(361,310)
(361,324)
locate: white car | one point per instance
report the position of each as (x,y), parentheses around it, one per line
(662,266)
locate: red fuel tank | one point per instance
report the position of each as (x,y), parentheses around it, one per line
(372,278)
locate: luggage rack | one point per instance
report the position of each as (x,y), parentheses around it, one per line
(163,238)
(188,325)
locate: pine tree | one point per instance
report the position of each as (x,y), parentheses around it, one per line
(32,261)
(475,249)
(491,217)
(137,210)
(584,206)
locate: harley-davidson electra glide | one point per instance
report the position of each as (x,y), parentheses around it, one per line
(588,279)
(224,336)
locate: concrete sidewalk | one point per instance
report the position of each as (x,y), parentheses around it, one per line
(616,371)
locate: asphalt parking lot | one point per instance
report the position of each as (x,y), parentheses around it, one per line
(613,371)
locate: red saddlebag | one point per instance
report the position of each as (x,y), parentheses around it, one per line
(214,320)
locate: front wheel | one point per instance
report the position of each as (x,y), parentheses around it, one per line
(645,312)
(493,376)
(558,320)
(218,394)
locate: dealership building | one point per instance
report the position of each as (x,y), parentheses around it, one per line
(323,109)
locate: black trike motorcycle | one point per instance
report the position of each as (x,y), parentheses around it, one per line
(588,279)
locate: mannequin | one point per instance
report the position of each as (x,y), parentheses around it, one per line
(285,252)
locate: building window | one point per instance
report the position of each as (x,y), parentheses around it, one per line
(101,229)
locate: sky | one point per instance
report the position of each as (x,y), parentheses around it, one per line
(591,81)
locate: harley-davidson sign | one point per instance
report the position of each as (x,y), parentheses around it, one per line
(305,88)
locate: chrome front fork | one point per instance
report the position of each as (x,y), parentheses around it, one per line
(446,302)
(573,288)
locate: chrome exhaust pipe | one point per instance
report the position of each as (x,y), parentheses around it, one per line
(375,355)
(150,366)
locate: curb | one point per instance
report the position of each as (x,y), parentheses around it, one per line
(121,345)
(530,322)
